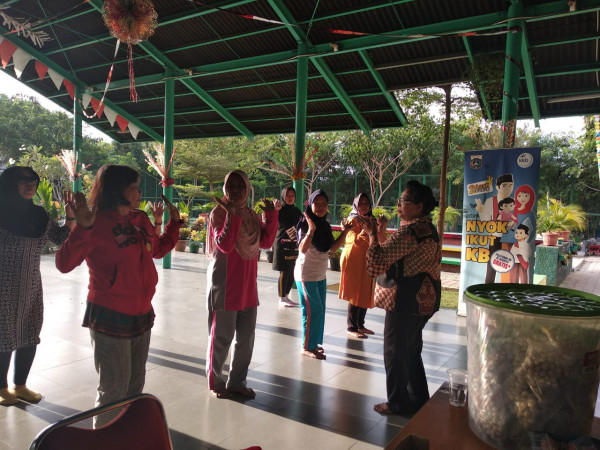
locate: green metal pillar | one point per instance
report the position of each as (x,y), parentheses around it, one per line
(301,100)
(512,72)
(168,142)
(77,134)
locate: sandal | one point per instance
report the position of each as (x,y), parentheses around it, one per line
(316,354)
(320,349)
(365,331)
(356,334)
(245,391)
(221,393)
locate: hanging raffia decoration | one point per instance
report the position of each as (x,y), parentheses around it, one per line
(68,159)
(131,22)
(159,165)
(289,167)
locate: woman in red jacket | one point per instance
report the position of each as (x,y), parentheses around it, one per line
(118,242)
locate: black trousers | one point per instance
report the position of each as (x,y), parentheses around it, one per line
(356,317)
(23,362)
(286,280)
(406,382)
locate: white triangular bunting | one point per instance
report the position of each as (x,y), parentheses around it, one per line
(110,115)
(133,130)
(20,60)
(85,100)
(56,78)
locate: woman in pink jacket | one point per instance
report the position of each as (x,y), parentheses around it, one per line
(118,243)
(235,235)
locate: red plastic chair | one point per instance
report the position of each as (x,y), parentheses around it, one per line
(140,425)
(594,250)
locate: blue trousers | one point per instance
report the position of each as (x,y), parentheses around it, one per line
(312,301)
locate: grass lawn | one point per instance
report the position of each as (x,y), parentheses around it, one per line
(449,298)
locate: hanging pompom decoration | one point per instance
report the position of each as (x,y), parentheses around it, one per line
(159,165)
(68,159)
(131,22)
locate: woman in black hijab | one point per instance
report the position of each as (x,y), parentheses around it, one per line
(285,247)
(24,230)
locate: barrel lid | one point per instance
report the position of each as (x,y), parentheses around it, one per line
(535,299)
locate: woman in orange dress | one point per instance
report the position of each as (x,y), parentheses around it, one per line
(355,284)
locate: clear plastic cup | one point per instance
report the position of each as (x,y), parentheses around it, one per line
(458,384)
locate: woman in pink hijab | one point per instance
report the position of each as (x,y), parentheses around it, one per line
(235,235)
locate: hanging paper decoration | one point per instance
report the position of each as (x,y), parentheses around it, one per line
(98,107)
(122,122)
(7,49)
(38,37)
(131,22)
(41,69)
(158,164)
(289,168)
(597,125)
(70,87)
(134,130)
(68,159)
(20,60)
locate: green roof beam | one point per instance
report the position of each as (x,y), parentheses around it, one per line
(190,84)
(530,78)
(379,80)
(298,34)
(481,92)
(76,82)
(259,104)
(582,38)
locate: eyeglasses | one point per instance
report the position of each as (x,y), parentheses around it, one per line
(26,180)
(403,200)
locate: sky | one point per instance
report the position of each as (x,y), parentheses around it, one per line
(10,87)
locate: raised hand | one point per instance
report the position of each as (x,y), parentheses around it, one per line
(157,210)
(173,211)
(269,205)
(382,223)
(311,225)
(347,225)
(229,207)
(82,213)
(367,224)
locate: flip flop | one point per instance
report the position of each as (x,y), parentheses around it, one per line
(245,391)
(221,393)
(316,354)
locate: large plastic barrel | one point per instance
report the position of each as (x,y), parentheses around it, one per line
(533,360)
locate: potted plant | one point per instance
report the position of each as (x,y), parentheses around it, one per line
(452,217)
(554,218)
(194,241)
(334,260)
(184,235)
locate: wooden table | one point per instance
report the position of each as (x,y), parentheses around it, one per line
(447,427)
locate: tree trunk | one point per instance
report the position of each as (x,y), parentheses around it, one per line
(443,176)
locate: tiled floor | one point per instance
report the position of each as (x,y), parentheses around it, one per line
(301,403)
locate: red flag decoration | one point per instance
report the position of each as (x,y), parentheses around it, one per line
(70,88)
(122,122)
(95,103)
(41,69)
(7,49)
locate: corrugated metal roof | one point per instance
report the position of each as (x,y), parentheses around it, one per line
(234,73)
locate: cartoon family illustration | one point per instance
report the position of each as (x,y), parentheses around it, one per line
(517,211)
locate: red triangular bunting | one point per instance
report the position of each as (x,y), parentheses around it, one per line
(70,88)
(95,102)
(41,69)
(7,49)
(122,123)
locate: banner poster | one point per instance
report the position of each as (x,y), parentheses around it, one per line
(499,216)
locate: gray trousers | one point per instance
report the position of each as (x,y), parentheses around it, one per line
(222,327)
(121,365)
